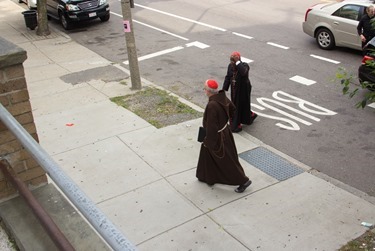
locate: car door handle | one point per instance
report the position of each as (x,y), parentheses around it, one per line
(337,23)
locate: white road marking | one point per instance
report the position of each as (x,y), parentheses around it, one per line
(159,53)
(164,31)
(325,59)
(292,125)
(246,60)
(182,18)
(303,104)
(302,80)
(198,44)
(242,35)
(155,28)
(262,101)
(277,45)
(372,105)
(280,98)
(116,14)
(177,48)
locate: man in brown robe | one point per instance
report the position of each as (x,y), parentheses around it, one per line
(218,159)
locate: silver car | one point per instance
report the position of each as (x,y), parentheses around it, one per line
(335,24)
(31,4)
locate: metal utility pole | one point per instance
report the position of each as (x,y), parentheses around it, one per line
(130,43)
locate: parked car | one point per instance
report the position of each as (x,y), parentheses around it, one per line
(31,4)
(335,24)
(70,11)
(366,71)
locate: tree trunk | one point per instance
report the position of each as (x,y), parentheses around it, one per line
(42,29)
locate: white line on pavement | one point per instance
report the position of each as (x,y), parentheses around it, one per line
(302,80)
(246,60)
(242,35)
(372,105)
(115,14)
(198,44)
(177,48)
(182,18)
(155,54)
(325,59)
(167,32)
(153,27)
(277,45)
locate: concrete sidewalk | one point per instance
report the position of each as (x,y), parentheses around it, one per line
(143,178)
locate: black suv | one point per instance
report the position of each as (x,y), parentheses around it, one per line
(69,11)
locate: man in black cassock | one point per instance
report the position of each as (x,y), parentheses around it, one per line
(218,159)
(365,27)
(238,79)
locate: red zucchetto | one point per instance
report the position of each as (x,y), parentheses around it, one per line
(235,53)
(212,83)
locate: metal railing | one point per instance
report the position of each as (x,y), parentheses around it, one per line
(107,230)
(61,242)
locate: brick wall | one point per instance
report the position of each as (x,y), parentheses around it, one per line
(14,96)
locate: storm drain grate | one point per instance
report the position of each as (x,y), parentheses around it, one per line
(270,163)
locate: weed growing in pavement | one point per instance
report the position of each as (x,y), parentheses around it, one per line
(123,82)
(157,107)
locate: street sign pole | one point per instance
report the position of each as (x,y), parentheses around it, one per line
(130,44)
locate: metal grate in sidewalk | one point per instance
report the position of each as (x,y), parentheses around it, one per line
(270,163)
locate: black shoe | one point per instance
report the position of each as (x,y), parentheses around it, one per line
(253,117)
(243,187)
(238,129)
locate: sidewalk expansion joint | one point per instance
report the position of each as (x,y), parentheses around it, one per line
(270,163)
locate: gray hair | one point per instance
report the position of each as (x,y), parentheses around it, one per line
(211,90)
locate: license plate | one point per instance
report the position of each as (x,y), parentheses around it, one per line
(93,14)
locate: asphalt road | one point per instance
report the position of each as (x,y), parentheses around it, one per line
(301,109)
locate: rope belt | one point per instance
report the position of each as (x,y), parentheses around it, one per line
(223,127)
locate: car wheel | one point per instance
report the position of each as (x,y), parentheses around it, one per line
(325,39)
(105,18)
(65,22)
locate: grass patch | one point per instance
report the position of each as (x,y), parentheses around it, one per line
(157,107)
(365,242)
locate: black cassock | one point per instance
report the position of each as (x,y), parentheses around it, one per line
(238,79)
(218,159)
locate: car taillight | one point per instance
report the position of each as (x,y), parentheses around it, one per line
(366,58)
(307,12)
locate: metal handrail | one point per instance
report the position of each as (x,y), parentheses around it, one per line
(46,221)
(79,199)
